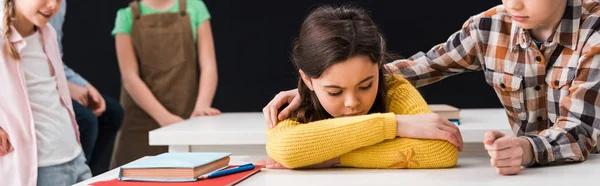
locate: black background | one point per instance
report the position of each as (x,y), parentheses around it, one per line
(253,41)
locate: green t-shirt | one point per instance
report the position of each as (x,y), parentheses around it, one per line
(195,8)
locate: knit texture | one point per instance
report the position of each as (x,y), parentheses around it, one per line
(367,141)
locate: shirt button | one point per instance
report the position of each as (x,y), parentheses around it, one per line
(502,85)
(539,118)
(556,82)
(538,58)
(538,88)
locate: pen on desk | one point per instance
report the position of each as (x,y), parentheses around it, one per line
(225,172)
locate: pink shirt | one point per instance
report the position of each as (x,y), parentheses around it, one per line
(19,167)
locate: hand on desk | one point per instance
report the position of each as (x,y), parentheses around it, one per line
(507,153)
(205,111)
(270,164)
(428,126)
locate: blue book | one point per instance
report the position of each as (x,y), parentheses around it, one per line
(455,121)
(174,167)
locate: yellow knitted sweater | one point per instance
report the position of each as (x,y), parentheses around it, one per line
(367,141)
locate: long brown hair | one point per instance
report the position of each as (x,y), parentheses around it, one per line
(9,11)
(330,35)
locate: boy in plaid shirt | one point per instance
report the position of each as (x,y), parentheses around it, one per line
(541,58)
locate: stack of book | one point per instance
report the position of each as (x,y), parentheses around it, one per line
(174,167)
(449,112)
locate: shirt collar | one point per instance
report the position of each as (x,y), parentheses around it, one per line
(566,33)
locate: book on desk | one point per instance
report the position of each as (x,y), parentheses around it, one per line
(182,169)
(174,167)
(449,112)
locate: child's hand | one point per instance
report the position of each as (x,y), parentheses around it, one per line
(79,94)
(270,164)
(391,68)
(205,111)
(271,110)
(95,101)
(428,126)
(5,146)
(507,153)
(169,119)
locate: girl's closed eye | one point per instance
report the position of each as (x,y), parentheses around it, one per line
(366,87)
(335,93)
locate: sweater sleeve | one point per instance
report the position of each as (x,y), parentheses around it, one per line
(404,152)
(297,145)
(367,141)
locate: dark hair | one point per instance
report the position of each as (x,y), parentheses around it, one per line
(330,35)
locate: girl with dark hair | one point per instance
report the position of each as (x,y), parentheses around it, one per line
(351,113)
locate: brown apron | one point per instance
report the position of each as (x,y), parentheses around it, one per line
(167,62)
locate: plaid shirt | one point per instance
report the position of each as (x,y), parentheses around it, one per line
(556,106)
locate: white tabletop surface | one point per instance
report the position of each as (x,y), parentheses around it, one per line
(473,169)
(249,128)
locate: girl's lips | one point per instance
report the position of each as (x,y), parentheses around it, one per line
(48,15)
(352,114)
(519,18)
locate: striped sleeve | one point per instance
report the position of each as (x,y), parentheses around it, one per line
(460,53)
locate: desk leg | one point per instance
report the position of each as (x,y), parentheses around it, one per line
(180,148)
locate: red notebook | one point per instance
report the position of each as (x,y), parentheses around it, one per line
(219,181)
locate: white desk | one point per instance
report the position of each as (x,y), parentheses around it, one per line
(237,130)
(473,169)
